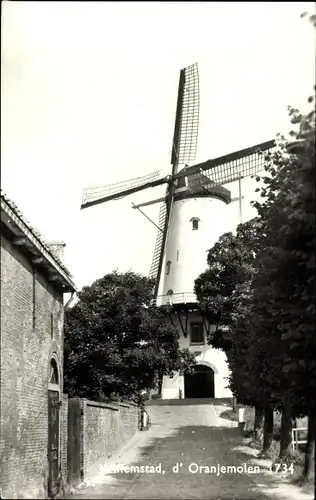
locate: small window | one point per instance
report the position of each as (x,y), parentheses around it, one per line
(52,326)
(197,333)
(195,223)
(168,267)
(53,378)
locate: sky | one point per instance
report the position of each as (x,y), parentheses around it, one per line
(88,97)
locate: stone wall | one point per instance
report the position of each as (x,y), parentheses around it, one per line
(104,430)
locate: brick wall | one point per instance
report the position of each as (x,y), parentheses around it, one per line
(104,430)
(31,331)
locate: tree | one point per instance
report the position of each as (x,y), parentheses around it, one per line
(263,303)
(250,359)
(284,290)
(223,291)
(117,342)
(229,271)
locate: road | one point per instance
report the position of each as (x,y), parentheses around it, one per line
(189,444)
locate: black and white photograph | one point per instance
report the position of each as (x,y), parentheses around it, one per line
(157,250)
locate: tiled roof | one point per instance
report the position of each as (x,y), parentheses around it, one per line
(34,232)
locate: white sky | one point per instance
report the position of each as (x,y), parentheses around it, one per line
(89,94)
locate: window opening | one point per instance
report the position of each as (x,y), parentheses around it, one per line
(34,300)
(195,223)
(168,265)
(52,325)
(197,333)
(53,377)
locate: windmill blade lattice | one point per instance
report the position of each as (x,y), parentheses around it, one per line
(233,166)
(153,273)
(92,195)
(187,117)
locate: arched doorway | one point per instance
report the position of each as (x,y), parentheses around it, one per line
(53,428)
(199,383)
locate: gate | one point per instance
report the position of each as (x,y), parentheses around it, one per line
(200,383)
(53,443)
(74,419)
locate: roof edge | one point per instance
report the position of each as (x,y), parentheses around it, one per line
(15,220)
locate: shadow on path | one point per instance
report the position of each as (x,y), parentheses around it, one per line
(229,415)
(201,453)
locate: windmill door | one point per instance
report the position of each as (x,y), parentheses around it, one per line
(53,443)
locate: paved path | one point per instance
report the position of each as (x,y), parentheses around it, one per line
(193,435)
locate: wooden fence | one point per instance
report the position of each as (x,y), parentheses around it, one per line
(296,441)
(74,442)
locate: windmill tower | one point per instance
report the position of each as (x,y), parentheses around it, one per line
(193,214)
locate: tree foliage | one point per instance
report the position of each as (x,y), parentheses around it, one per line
(259,287)
(223,286)
(284,287)
(224,293)
(116,341)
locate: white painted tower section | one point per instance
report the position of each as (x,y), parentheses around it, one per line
(186,248)
(185,259)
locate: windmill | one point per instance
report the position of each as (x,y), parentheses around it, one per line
(202,180)
(191,219)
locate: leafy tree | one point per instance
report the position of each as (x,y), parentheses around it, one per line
(259,291)
(223,291)
(117,342)
(221,287)
(250,358)
(284,289)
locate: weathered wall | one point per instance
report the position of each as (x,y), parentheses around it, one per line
(31,332)
(104,429)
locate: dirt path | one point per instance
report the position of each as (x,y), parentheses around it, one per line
(190,445)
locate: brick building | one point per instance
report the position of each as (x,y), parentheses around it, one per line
(33,445)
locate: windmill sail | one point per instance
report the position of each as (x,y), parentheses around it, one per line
(153,273)
(95,195)
(183,147)
(204,179)
(233,166)
(187,117)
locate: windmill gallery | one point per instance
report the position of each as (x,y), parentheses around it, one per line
(193,214)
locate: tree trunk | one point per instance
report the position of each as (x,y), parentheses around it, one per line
(310,451)
(268,429)
(258,425)
(234,404)
(159,383)
(286,432)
